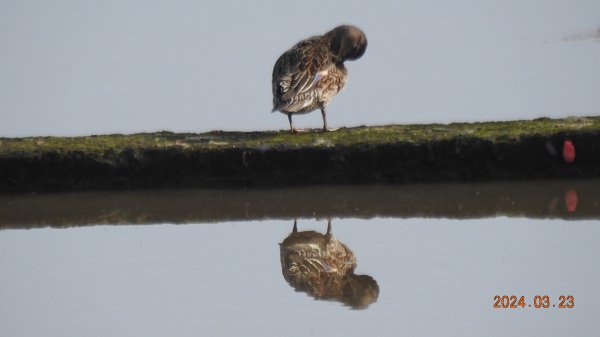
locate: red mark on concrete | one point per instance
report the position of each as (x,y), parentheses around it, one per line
(569,151)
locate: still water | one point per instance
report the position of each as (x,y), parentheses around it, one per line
(423,260)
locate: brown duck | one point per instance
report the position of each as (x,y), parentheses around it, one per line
(323,267)
(307,76)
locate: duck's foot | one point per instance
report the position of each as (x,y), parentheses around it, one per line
(296,131)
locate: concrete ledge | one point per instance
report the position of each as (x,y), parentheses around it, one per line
(381,154)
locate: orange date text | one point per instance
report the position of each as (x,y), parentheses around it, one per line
(537,302)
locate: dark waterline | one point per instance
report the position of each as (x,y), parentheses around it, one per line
(569,199)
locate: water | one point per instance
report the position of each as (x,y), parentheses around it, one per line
(212,266)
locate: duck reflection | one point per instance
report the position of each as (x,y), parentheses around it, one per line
(323,267)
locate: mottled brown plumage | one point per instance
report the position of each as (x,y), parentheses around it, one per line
(309,74)
(323,267)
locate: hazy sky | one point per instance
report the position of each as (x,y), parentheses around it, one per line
(121,66)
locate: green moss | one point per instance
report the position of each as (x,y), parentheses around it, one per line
(415,133)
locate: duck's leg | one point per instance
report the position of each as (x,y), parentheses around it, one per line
(292,129)
(324,114)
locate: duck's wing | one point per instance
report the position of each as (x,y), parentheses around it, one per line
(298,70)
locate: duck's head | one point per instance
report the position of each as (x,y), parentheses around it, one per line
(347,42)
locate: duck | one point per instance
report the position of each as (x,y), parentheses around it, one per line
(308,75)
(323,267)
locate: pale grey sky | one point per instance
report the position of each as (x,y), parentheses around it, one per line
(94,67)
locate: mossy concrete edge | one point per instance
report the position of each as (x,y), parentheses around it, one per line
(378,154)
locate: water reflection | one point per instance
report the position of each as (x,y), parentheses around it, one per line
(438,278)
(323,267)
(571,200)
(566,199)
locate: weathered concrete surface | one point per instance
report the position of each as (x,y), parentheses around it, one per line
(383,154)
